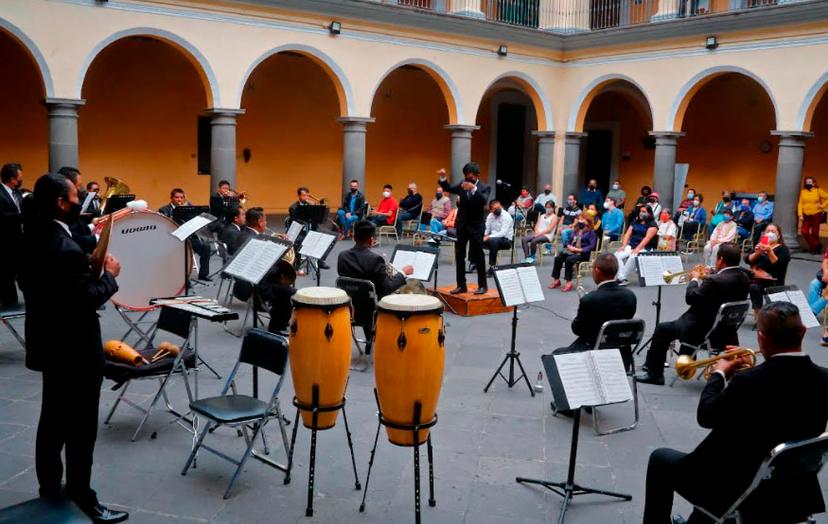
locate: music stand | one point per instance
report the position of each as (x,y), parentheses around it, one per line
(556,378)
(311,214)
(117,202)
(516,284)
(408,256)
(315,247)
(651,268)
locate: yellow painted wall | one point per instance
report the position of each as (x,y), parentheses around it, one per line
(143,98)
(24,135)
(407,143)
(725,124)
(481,139)
(816,148)
(291,130)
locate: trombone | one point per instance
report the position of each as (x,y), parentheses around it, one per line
(686,367)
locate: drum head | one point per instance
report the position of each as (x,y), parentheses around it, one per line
(152,260)
(321,296)
(410,303)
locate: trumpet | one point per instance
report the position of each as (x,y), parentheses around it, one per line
(686,367)
(320,201)
(241,195)
(684,276)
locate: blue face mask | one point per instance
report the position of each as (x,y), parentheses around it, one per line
(727,218)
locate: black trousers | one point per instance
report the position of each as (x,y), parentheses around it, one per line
(494,245)
(663,480)
(8,276)
(757,292)
(664,333)
(202,249)
(68,418)
(474,240)
(567,260)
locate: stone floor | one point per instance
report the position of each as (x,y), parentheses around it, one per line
(482,440)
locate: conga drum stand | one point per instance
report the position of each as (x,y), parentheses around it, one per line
(415,429)
(315,409)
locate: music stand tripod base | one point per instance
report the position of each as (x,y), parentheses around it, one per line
(512,356)
(569,489)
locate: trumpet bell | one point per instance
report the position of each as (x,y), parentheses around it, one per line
(686,367)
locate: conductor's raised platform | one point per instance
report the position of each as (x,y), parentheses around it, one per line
(470,305)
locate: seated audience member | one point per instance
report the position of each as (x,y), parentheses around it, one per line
(817,295)
(448,223)
(726,203)
(618,194)
(744,219)
(608,301)
(762,215)
(644,196)
(229,234)
(654,201)
(749,413)
(410,207)
(351,210)
(769,264)
(543,232)
(581,243)
(524,202)
(667,232)
(687,202)
(613,219)
(439,209)
(498,233)
(693,218)
(592,212)
(567,215)
(361,262)
(724,233)
(178,199)
(386,211)
(729,283)
(590,194)
(641,235)
(545,196)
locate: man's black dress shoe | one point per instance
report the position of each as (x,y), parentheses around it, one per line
(324,265)
(101,514)
(458,290)
(645,377)
(481,291)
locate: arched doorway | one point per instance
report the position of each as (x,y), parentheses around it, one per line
(25,136)
(289,135)
(816,148)
(144,98)
(407,142)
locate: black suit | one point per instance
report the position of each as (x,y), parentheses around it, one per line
(470,224)
(759,409)
(609,301)
(11,233)
(704,299)
(361,262)
(63,340)
(229,235)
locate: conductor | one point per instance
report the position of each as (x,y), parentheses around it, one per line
(470,224)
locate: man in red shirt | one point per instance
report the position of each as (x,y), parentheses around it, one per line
(386,210)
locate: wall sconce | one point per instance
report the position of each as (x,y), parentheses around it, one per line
(502,50)
(711,42)
(335,27)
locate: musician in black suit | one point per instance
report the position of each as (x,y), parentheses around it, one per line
(609,301)
(471,224)
(361,262)
(749,413)
(11,231)
(63,341)
(729,283)
(94,209)
(229,234)
(302,199)
(178,199)
(223,191)
(80,228)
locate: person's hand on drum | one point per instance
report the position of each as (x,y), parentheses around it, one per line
(408,270)
(112,266)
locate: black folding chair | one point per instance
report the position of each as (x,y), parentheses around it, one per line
(363,314)
(173,321)
(786,462)
(259,349)
(626,335)
(7,314)
(731,316)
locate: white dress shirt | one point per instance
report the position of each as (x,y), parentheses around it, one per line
(499,226)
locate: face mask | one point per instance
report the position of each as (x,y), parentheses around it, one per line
(74,212)
(690,195)
(606,205)
(643,216)
(549,210)
(410,191)
(547,191)
(727,218)
(386,194)
(570,203)
(665,217)
(726,199)
(497,212)
(592,186)
(591,212)
(439,196)
(354,189)
(524,194)
(580,225)
(696,203)
(809,185)
(772,237)
(615,186)
(760,199)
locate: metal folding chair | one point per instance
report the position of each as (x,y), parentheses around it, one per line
(259,349)
(389,230)
(171,321)
(626,335)
(7,314)
(786,461)
(731,315)
(363,314)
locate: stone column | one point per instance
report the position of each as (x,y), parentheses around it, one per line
(223,145)
(667,10)
(461,137)
(546,154)
(353,152)
(63,132)
(572,163)
(664,168)
(788,178)
(466,8)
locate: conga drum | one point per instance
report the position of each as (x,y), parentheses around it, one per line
(320,350)
(408,361)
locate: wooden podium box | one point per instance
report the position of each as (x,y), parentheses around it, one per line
(469,304)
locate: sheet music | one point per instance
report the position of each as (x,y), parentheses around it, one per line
(421,261)
(652,268)
(191,226)
(529,281)
(88,200)
(673,265)
(510,287)
(255,259)
(294,230)
(610,368)
(316,244)
(577,378)
(797,298)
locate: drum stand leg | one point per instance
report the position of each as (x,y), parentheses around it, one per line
(431,501)
(370,463)
(292,445)
(416,431)
(357,486)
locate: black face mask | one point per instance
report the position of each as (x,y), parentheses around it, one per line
(472,180)
(808,185)
(439,196)
(580,225)
(497,212)
(725,199)
(547,191)
(74,212)
(410,191)
(354,189)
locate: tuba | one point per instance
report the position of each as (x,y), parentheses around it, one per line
(686,367)
(114,186)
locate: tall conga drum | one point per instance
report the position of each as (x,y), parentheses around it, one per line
(408,362)
(320,350)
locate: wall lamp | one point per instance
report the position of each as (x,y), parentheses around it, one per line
(711,42)
(502,50)
(335,27)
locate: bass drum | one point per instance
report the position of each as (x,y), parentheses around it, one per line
(408,361)
(151,258)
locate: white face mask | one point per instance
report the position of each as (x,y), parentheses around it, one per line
(615,186)
(772,237)
(386,194)
(606,205)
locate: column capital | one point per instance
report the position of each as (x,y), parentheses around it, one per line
(354,123)
(544,136)
(792,134)
(572,137)
(673,135)
(223,111)
(66,102)
(460,130)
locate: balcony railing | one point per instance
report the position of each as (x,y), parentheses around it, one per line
(570,16)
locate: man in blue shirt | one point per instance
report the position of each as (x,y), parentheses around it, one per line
(591,195)
(613,220)
(762,215)
(352,209)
